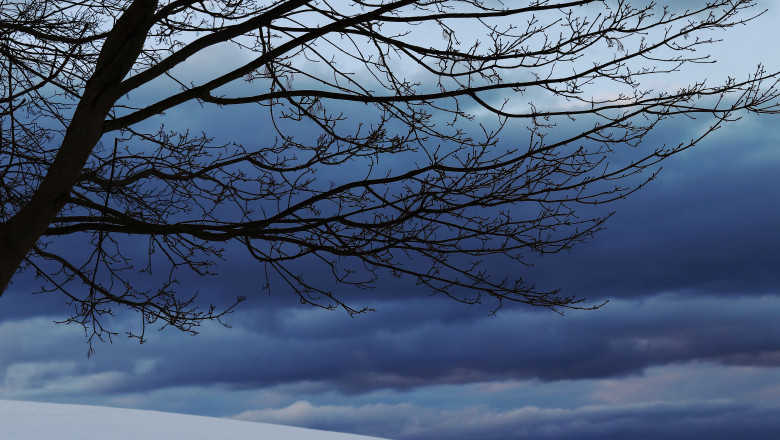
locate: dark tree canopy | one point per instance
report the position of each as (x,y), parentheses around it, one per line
(418,139)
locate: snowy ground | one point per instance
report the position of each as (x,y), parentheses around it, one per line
(47,421)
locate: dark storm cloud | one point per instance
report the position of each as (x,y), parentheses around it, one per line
(707,227)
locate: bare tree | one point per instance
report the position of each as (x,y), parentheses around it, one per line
(377,150)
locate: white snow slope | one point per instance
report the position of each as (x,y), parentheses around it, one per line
(48,421)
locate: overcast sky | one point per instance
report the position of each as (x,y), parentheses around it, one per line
(687,347)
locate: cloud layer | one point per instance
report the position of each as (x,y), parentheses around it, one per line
(687,347)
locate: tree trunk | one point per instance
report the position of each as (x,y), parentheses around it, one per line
(120,50)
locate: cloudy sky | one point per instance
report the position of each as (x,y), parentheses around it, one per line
(687,347)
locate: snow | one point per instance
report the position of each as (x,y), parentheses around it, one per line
(46,421)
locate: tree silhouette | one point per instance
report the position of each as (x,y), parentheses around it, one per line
(377,149)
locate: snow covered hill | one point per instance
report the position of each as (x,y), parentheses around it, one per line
(47,421)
